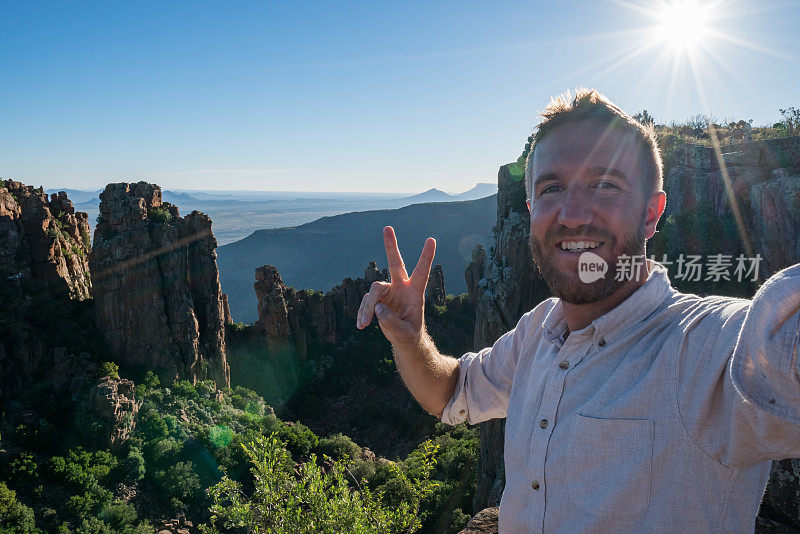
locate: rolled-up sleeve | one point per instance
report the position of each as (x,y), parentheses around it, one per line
(765,364)
(484,382)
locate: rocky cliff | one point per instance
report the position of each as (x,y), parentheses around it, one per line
(156,285)
(44,243)
(44,281)
(294,321)
(748,203)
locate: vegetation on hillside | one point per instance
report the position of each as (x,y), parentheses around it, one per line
(208,454)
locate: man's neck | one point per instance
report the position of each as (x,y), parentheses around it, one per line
(581,315)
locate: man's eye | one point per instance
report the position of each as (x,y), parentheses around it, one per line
(549,189)
(606,185)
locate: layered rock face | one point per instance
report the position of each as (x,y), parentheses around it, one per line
(44,249)
(44,242)
(156,286)
(748,206)
(700,219)
(295,321)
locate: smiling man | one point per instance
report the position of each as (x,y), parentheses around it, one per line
(630,407)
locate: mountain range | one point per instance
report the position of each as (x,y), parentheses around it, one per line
(319,254)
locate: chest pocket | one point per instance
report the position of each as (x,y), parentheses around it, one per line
(608,468)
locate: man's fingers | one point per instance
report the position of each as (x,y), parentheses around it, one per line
(419,278)
(393,327)
(367,308)
(396,267)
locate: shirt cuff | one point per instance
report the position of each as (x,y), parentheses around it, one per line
(456,411)
(765,365)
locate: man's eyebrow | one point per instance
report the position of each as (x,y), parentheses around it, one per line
(546,177)
(604,171)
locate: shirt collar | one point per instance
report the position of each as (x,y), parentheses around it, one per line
(640,304)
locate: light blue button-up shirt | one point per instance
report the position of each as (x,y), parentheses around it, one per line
(660,416)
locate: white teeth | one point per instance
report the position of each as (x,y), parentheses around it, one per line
(579,245)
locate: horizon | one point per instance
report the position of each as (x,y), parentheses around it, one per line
(272,191)
(360,98)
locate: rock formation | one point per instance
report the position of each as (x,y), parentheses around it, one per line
(44,243)
(291,320)
(156,286)
(483,522)
(700,218)
(113,402)
(296,320)
(44,248)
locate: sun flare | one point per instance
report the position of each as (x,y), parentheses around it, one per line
(683,24)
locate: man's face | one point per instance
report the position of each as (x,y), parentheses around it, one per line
(587,185)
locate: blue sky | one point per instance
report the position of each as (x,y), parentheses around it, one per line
(371,96)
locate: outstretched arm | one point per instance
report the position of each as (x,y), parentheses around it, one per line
(400,307)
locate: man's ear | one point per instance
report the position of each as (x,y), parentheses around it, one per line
(655,208)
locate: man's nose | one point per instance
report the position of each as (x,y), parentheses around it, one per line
(576,210)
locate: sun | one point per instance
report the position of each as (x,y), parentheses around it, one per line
(683,24)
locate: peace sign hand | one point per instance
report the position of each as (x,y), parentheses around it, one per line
(399,305)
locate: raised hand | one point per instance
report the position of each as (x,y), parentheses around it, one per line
(399,305)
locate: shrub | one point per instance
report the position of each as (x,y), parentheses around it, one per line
(152,426)
(298,438)
(220,435)
(179,482)
(133,467)
(118,514)
(310,501)
(159,215)
(23,468)
(338,447)
(110,369)
(15,517)
(87,239)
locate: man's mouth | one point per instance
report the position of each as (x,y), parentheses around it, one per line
(579,246)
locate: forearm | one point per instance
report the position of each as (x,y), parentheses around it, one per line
(430,376)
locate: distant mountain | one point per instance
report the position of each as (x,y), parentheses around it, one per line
(431,195)
(178,198)
(320,254)
(481,190)
(77,196)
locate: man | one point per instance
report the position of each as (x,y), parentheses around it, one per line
(630,407)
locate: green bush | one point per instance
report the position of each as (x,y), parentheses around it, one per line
(87,239)
(15,517)
(118,515)
(338,447)
(299,439)
(133,467)
(152,426)
(179,482)
(159,215)
(110,369)
(310,500)
(23,468)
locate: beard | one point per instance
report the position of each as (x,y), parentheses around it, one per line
(567,286)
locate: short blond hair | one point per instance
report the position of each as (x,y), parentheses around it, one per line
(590,105)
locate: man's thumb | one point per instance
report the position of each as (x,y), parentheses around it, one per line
(386,315)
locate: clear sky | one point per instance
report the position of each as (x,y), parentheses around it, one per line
(355,96)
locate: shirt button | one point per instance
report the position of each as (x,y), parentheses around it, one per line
(535,485)
(543,423)
(564,364)
(462,412)
(601,343)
